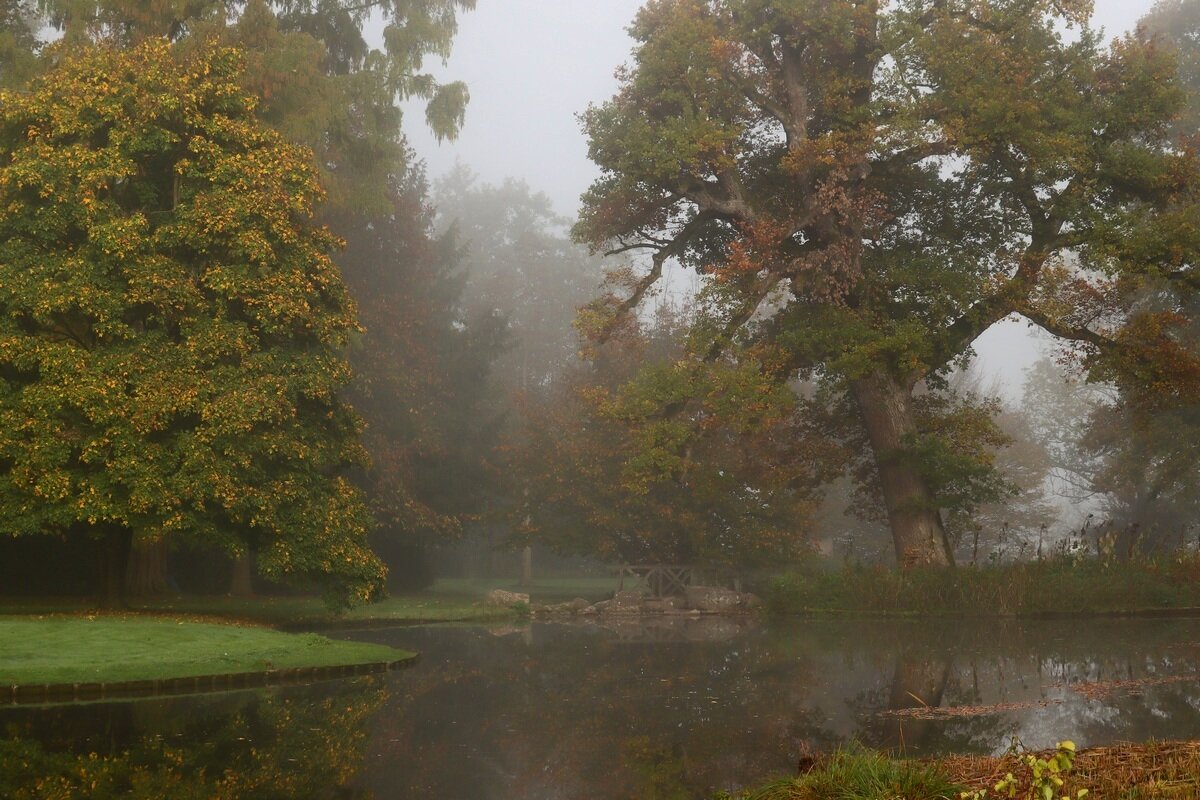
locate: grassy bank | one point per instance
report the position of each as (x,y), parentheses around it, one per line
(1126,772)
(1043,587)
(450,600)
(128,648)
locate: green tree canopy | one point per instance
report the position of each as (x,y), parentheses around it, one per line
(869,187)
(324,80)
(319,80)
(172,326)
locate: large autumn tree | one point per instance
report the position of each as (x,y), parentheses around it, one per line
(324,81)
(869,187)
(172,326)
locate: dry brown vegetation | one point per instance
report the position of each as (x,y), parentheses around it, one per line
(1121,772)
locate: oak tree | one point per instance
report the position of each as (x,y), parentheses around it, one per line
(869,187)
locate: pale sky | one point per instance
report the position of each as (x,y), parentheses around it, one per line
(532,65)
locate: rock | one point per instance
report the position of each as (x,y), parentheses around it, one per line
(506,630)
(499,597)
(709,598)
(576,606)
(624,603)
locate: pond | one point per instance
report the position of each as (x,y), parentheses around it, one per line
(673,708)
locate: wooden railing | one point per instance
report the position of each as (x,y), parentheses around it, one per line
(657,580)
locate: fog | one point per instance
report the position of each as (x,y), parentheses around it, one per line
(851,413)
(533,65)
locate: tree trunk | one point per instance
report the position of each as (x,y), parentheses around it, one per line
(919,680)
(917,530)
(527,566)
(242,584)
(118,541)
(146,574)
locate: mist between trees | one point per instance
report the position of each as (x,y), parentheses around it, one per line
(242,330)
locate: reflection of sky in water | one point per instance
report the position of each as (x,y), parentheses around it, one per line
(592,711)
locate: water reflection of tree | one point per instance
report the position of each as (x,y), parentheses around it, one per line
(584,715)
(579,713)
(247,746)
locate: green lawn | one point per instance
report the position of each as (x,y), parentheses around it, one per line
(125,648)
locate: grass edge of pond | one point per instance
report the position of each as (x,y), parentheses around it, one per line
(92,650)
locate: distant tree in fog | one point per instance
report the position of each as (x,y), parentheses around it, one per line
(588,457)
(422,377)
(1177,22)
(520,264)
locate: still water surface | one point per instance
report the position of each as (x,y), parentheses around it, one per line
(670,709)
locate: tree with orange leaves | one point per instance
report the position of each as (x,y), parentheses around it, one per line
(869,187)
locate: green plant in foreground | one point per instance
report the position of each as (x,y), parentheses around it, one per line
(1045,776)
(858,775)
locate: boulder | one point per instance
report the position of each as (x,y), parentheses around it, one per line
(712,599)
(503,599)
(577,605)
(625,603)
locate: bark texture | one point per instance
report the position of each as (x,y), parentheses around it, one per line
(118,542)
(146,574)
(917,530)
(242,582)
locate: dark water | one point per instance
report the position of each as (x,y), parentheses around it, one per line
(654,712)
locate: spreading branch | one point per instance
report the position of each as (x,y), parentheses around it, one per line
(663,252)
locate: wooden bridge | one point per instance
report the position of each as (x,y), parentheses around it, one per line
(657,580)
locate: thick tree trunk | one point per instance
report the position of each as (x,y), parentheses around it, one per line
(527,566)
(917,530)
(918,681)
(242,584)
(146,574)
(118,541)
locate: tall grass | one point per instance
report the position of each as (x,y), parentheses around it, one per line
(1057,586)
(860,775)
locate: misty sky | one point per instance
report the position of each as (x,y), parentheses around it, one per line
(532,65)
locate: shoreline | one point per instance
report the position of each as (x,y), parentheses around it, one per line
(1160,769)
(64,693)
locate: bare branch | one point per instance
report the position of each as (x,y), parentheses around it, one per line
(662,254)
(762,287)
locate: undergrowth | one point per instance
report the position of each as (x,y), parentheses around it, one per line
(1058,586)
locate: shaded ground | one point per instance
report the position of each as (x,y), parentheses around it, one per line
(445,601)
